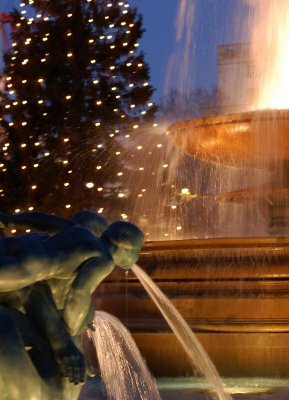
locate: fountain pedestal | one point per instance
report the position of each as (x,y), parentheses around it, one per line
(234,293)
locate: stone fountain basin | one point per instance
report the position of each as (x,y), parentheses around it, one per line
(234,293)
(235,139)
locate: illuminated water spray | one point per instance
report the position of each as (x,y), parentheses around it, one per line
(269,43)
(179,68)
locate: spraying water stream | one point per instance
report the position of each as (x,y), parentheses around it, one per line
(123,371)
(184,334)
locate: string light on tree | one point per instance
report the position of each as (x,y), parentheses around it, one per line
(79,105)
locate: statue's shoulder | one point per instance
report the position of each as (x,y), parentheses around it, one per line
(76,239)
(72,234)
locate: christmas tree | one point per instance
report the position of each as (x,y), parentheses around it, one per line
(77,88)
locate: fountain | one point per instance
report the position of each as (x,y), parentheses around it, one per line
(232,291)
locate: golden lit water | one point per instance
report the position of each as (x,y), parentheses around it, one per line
(269,24)
(184,334)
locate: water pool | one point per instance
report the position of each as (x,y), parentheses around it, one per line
(197,389)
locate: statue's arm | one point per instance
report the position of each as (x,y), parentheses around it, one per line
(39,221)
(77,309)
(41,308)
(16,275)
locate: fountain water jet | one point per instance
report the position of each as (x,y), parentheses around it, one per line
(186,337)
(123,371)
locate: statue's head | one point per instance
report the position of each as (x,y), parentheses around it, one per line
(124,241)
(91,221)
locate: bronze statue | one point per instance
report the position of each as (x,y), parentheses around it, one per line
(45,287)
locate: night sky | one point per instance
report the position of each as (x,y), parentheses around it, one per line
(213,25)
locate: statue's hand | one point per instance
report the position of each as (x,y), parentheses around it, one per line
(72,364)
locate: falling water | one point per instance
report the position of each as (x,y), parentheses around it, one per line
(123,371)
(269,22)
(184,334)
(179,68)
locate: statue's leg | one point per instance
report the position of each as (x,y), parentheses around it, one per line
(19,378)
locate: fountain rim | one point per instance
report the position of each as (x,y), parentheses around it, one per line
(216,258)
(274,242)
(231,139)
(224,119)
